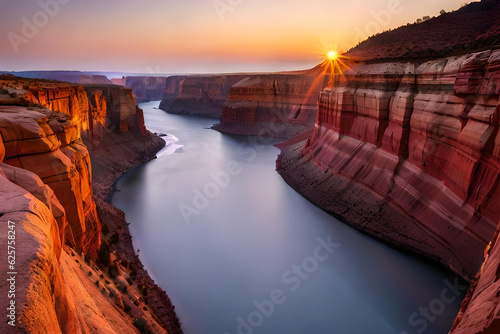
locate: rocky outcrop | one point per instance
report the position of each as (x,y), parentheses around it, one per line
(273,105)
(122,113)
(49,145)
(480,309)
(68,279)
(202,95)
(408,153)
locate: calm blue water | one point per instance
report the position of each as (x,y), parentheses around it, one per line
(238,251)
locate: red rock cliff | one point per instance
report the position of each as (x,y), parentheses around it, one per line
(147,88)
(67,280)
(201,95)
(275,105)
(408,153)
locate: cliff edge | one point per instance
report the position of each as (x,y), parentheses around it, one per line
(73,269)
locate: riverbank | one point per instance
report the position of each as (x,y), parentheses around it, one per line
(76,267)
(115,156)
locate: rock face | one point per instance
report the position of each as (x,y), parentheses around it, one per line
(49,145)
(274,105)
(202,95)
(146,89)
(66,279)
(122,115)
(408,153)
(479,312)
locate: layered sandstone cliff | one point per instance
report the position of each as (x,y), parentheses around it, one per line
(202,95)
(408,153)
(275,105)
(147,88)
(67,279)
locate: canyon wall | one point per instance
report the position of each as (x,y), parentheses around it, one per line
(273,105)
(408,153)
(202,95)
(67,278)
(480,308)
(146,88)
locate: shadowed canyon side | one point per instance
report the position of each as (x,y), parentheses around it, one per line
(201,95)
(272,105)
(68,278)
(145,89)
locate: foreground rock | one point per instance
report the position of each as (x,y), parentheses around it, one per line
(75,267)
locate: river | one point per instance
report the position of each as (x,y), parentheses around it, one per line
(239,251)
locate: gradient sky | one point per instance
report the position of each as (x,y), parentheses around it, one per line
(191,36)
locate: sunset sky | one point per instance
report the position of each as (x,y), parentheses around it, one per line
(193,36)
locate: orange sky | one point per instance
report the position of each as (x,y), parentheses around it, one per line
(179,36)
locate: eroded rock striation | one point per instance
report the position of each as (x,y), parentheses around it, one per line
(273,105)
(145,89)
(408,153)
(202,95)
(69,279)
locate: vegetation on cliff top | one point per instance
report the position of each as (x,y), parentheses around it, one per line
(471,28)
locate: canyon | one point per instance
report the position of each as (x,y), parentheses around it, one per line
(407,153)
(274,104)
(403,145)
(62,148)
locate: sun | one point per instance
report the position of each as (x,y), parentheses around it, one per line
(332,55)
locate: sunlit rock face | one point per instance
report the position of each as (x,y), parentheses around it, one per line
(47,191)
(409,153)
(479,313)
(115,108)
(49,145)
